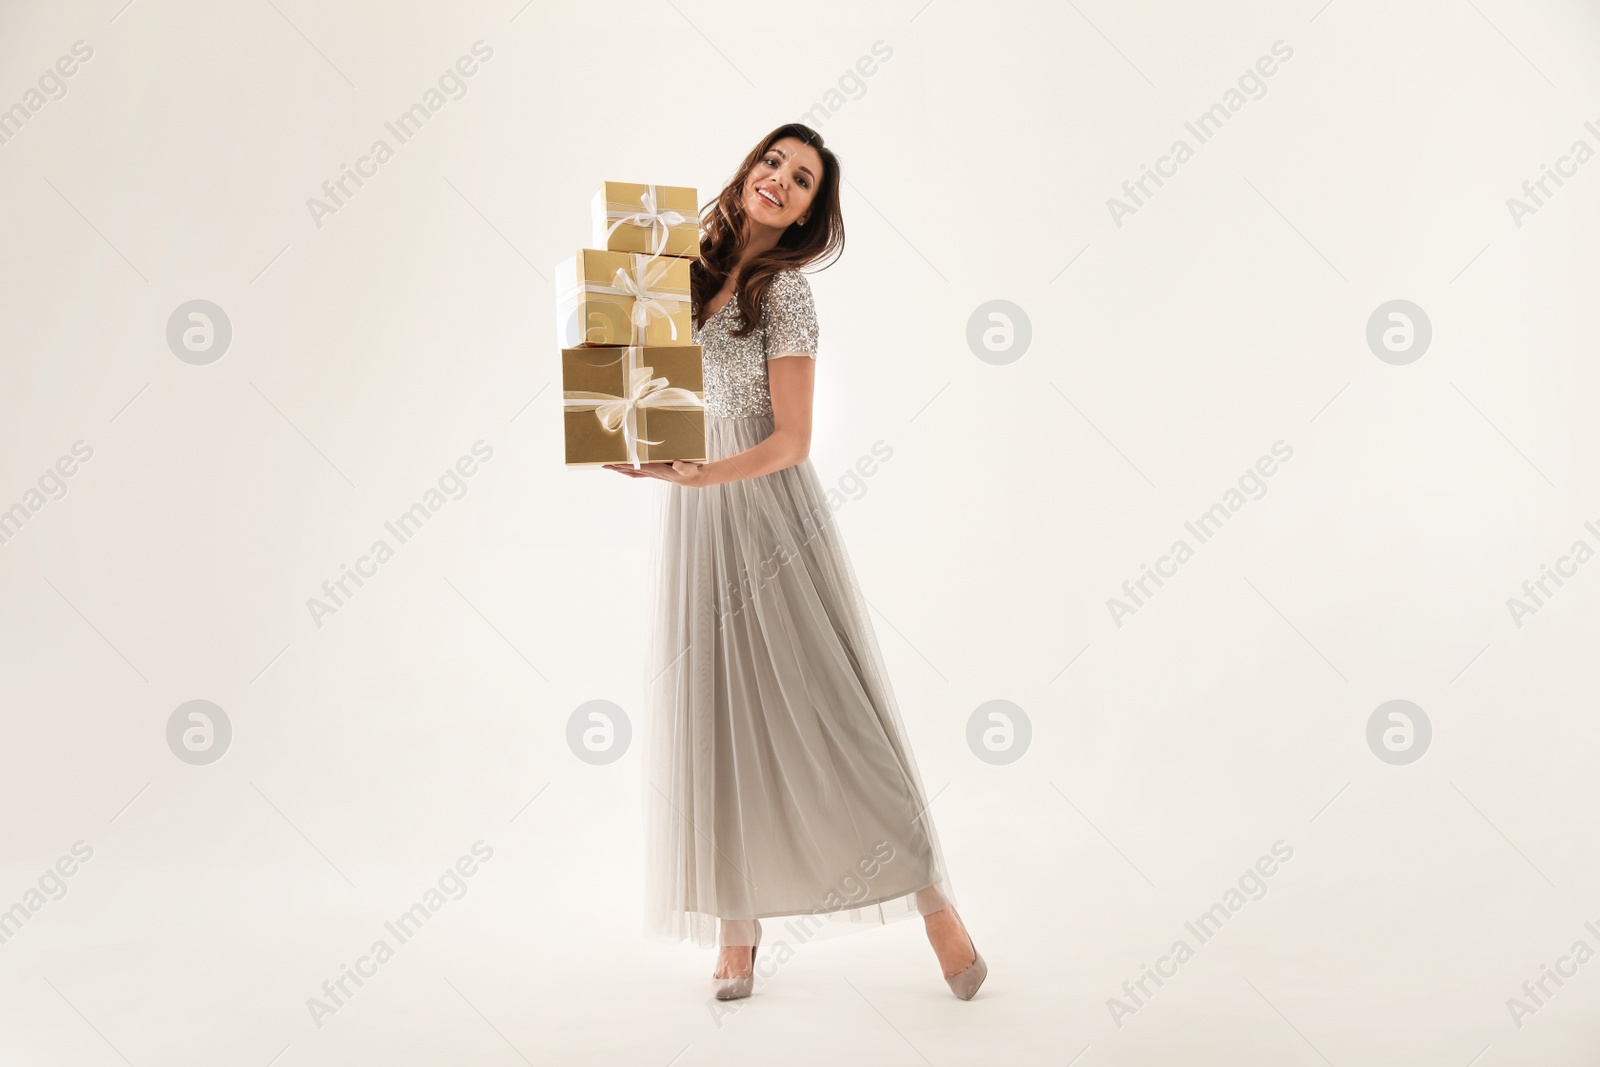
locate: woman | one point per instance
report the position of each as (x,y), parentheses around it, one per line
(779,780)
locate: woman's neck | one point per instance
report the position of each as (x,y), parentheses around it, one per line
(759,240)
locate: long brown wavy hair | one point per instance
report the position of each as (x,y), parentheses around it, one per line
(722,234)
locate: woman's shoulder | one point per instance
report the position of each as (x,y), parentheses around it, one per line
(788,315)
(789,291)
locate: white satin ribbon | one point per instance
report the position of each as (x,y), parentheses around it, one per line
(640,287)
(646,301)
(622,412)
(659,222)
(640,290)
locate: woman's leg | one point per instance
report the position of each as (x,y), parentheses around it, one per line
(946,933)
(731,932)
(734,953)
(931,899)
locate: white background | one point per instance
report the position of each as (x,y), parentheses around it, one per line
(1167,355)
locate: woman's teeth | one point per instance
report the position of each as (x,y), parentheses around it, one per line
(768,197)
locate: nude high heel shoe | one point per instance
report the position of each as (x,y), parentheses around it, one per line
(737,988)
(964,984)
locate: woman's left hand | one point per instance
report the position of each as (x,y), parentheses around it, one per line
(679,472)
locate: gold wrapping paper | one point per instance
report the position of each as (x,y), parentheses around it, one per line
(597,382)
(593,309)
(617,200)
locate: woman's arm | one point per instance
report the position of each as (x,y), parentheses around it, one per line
(790,380)
(791,344)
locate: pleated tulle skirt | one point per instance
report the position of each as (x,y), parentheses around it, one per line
(778,778)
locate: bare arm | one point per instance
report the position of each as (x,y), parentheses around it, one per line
(791,339)
(790,380)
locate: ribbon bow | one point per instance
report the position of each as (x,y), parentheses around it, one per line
(622,412)
(646,301)
(659,222)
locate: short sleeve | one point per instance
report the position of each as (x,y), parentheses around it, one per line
(788,318)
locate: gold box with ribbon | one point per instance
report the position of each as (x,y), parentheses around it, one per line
(636,404)
(655,219)
(623,298)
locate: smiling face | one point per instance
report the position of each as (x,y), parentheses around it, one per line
(779,189)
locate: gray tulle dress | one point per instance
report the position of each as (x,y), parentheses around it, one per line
(778,777)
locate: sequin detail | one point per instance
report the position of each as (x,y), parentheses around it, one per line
(736,367)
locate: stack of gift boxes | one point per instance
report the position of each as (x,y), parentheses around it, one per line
(632,387)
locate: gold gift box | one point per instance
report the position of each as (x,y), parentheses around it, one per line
(598,385)
(630,204)
(594,307)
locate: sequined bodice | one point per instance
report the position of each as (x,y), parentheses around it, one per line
(736,367)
